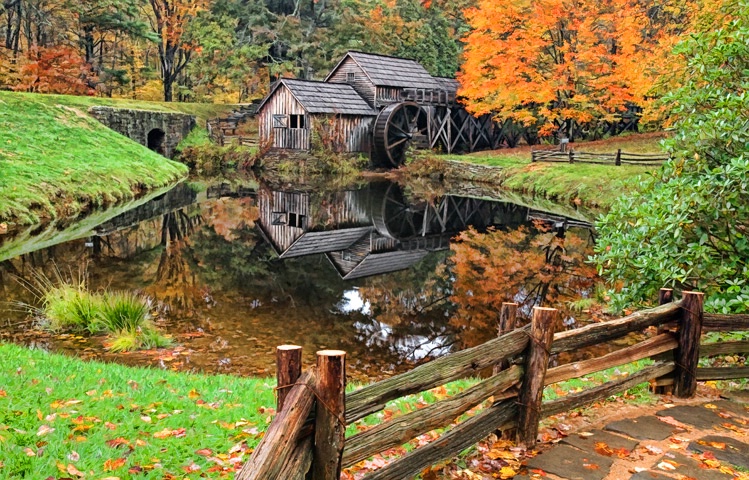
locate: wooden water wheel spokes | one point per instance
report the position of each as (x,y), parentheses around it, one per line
(396,217)
(395,130)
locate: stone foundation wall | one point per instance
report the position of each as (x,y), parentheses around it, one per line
(136,124)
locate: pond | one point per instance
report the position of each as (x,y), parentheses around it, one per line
(237,268)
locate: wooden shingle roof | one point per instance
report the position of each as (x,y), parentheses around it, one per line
(386,71)
(449,84)
(320,97)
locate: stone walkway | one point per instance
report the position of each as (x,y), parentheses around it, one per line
(707,441)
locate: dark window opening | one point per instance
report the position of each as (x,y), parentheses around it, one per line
(350,77)
(296,220)
(280,121)
(296,121)
(157,141)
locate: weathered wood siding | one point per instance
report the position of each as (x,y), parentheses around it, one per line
(388,95)
(275,208)
(349,133)
(283,103)
(362,84)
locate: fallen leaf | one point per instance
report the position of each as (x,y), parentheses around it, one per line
(113,464)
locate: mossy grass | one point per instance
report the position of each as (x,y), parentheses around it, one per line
(582,184)
(56,161)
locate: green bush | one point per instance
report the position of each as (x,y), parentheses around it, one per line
(70,306)
(689,226)
(124,316)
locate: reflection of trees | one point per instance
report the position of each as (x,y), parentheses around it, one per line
(530,265)
(175,284)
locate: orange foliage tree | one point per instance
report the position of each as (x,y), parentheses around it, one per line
(533,266)
(169,22)
(57,70)
(563,63)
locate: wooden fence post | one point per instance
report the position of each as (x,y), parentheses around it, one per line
(665,295)
(288,371)
(507,318)
(330,426)
(571,156)
(688,353)
(618,160)
(537,361)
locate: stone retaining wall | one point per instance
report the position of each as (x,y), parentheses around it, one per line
(138,124)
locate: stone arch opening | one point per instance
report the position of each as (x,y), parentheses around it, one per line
(157,141)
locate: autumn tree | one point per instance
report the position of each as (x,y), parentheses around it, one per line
(169,21)
(561,63)
(688,225)
(57,70)
(532,265)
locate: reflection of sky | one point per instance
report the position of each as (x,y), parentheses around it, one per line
(352,302)
(413,347)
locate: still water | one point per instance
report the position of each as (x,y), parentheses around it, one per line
(237,268)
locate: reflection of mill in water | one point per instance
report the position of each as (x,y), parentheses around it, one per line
(377,229)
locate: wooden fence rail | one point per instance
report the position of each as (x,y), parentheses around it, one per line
(618,158)
(306,440)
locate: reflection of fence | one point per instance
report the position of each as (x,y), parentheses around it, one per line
(298,442)
(618,158)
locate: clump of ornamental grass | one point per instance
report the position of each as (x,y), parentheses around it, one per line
(69,305)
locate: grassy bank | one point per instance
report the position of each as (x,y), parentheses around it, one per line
(57,161)
(587,184)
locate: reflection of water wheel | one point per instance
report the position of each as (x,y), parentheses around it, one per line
(397,127)
(395,217)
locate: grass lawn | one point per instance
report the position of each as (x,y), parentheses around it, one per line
(202,111)
(588,184)
(57,161)
(61,416)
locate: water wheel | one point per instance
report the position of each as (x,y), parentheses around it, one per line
(395,216)
(398,126)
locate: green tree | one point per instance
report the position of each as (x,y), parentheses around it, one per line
(688,228)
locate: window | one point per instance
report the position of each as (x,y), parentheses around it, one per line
(296,220)
(350,77)
(280,121)
(278,218)
(296,121)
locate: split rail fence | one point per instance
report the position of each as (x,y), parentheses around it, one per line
(618,158)
(306,439)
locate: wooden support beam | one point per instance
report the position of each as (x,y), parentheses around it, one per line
(688,353)
(401,429)
(724,348)
(715,322)
(330,425)
(597,333)
(288,371)
(664,342)
(279,441)
(450,443)
(665,295)
(601,392)
(300,461)
(537,360)
(470,361)
(508,313)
